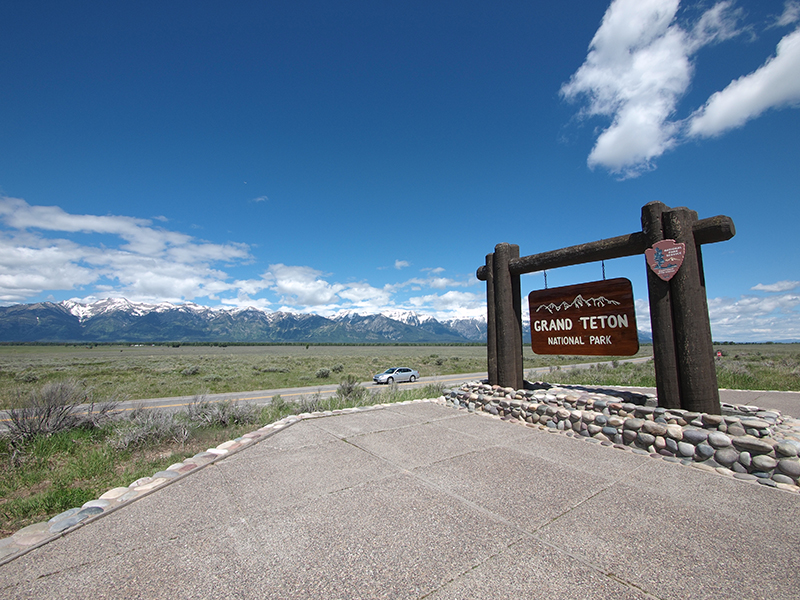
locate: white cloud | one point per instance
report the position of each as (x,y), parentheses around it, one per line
(439,283)
(754,319)
(780,286)
(29,265)
(748,319)
(791,14)
(637,69)
(452,304)
(401,264)
(302,286)
(152,264)
(363,295)
(776,84)
(642,308)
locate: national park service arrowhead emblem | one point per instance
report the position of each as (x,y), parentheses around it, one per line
(665,258)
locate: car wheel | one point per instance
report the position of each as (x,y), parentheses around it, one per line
(390,381)
(412,379)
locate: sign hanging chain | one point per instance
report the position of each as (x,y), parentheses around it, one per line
(545,279)
(603,263)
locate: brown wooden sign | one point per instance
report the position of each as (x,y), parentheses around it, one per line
(593,319)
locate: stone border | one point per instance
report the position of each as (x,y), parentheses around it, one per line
(746,443)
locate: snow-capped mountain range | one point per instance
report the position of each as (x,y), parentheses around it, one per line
(119,320)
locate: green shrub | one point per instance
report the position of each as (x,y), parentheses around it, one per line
(351,391)
(313,403)
(26,377)
(322,373)
(202,413)
(52,408)
(143,427)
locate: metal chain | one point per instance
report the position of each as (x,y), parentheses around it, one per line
(603,263)
(545,279)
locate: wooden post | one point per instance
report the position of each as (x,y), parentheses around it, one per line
(667,380)
(516,296)
(491,323)
(692,327)
(508,317)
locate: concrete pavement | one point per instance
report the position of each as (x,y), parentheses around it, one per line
(425,501)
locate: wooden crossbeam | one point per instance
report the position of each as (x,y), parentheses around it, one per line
(706,231)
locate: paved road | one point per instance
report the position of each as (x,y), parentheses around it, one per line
(424,501)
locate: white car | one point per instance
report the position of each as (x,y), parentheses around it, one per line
(396,374)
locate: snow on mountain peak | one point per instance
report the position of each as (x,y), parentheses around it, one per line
(110,305)
(409,317)
(345,314)
(88,310)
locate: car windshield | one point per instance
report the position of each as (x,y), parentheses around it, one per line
(390,370)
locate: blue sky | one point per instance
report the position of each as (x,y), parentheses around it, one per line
(320,156)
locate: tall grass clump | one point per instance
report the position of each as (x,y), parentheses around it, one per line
(149,427)
(394,393)
(202,413)
(351,392)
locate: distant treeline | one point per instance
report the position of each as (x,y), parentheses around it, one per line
(751,343)
(226,344)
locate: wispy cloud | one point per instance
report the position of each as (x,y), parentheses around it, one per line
(756,319)
(780,286)
(639,66)
(790,15)
(452,304)
(438,283)
(301,286)
(150,263)
(748,318)
(776,84)
(401,264)
(260,199)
